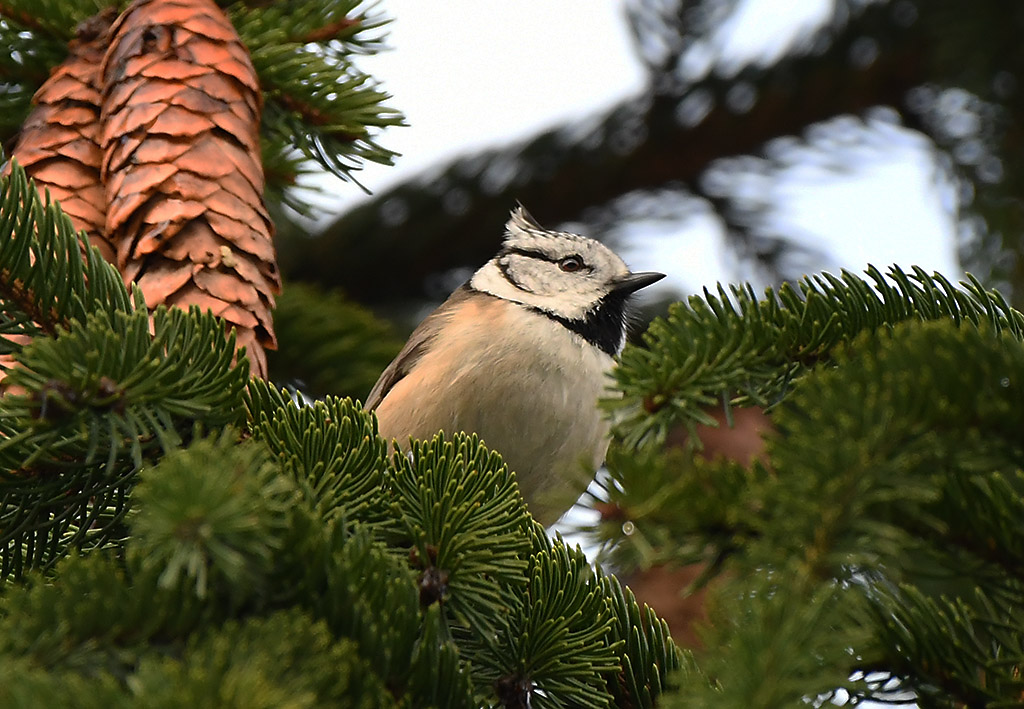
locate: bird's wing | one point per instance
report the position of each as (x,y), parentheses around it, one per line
(418,344)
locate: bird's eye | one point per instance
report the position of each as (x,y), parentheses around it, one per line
(571,264)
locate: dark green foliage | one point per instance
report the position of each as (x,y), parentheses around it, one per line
(212,531)
(546,650)
(48,512)
(930,502)
(330,448)
(959,390)
(734,348)
(175,533)
(49,276)
(24,686)
(793,638)
(327,344)
(881,535)
(54,18)
(108,388)
(131,643)
(645,649)
(96,620)
(101,387)
(282,660)
(664,510)
(316,101)
(221,546)
(468,528)
(366,592)
(436,678)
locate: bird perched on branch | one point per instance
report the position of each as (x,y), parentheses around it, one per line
(519,355)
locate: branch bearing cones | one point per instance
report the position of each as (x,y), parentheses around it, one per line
(148,134)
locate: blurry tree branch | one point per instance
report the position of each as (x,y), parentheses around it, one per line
(452,216)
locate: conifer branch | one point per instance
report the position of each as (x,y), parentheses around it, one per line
(49,276)
(732,347)
(13,290)
(891,468)
(21,16)
(332,30)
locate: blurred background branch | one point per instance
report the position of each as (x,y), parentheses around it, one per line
(709,133)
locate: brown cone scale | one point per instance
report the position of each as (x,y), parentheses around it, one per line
(180,166)
(59,143)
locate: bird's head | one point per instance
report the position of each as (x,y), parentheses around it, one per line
(569,277)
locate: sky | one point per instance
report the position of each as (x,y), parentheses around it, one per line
(472,74)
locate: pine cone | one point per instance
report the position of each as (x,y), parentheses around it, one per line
(58,145)
(181,166)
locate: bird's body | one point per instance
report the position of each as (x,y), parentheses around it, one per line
(520,356)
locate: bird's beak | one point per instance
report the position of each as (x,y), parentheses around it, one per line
(632,282)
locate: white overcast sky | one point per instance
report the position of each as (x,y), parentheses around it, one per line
(473,74)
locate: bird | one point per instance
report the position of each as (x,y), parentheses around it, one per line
(520,356)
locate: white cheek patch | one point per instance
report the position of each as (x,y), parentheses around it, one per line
(534,276)
(490,279)
(571,305)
